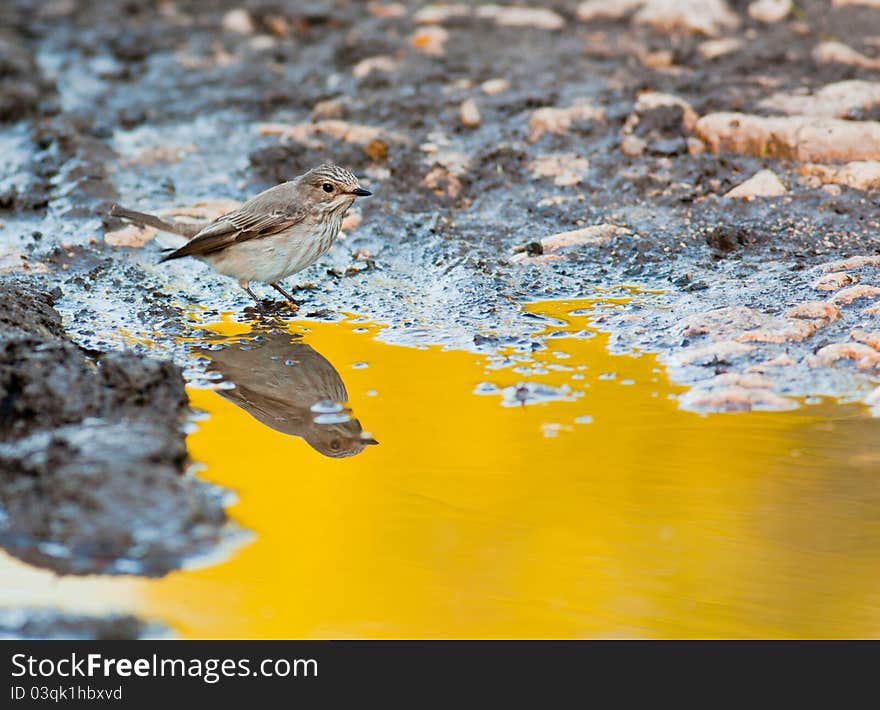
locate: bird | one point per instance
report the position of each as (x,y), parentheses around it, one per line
(273,235)
(280,380)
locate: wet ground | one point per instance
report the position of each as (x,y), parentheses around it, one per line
(587,504)
(563,153)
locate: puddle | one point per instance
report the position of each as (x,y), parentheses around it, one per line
(559,492)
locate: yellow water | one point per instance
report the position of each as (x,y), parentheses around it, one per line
(474,520)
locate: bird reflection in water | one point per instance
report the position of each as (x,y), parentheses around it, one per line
(284,383)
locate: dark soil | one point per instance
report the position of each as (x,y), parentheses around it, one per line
(36,624)
(92,453)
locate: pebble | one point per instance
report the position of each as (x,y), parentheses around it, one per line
(837,100)
(469,114)
(430,40)
(551,119)
(853,293)
(492,87)
(832,282)
(840,53)
(800,138)
(770,10)
(238,21)
(764,183)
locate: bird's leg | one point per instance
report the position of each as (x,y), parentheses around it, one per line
(247,287)
(293,304)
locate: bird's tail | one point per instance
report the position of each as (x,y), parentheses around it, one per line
(148,220)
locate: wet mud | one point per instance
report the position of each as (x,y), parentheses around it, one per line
(93,457)
(39,624)
(489,142)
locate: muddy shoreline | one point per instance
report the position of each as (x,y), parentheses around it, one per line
(185,104)
(93,463)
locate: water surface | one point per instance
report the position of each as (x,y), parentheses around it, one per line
(559,493)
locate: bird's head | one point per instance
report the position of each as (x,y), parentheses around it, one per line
(331,187)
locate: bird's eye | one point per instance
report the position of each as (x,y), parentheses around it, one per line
(335,444)
(327,187)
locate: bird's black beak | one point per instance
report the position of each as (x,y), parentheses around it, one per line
(360,192)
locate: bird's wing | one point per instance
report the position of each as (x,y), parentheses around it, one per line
(238,226)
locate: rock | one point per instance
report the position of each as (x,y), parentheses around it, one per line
(714,48)
(376,150)
(770,10)
(132,235)
(382,64)
(734,399)
(836,100)
(492,87)
(707,17)
(430,40)
(795,332)
(840,53)
(238,21)
(800,138)
(387,10)
(853,262)
(604,10)
(832,282)
(551,119)
(661,59)
(328,109)
(870,339)
(748,380)
(865,356)
(726,322)
(764,183)
(278,26)
(872,310)
(265,43)
(649,100)
(853,293)
(469,114)
(516,16)
(440,13)
(503,15)
(741,324)
(595,235)
(859,174)
(815,310)
(695,146)
(566,169)
(632,146)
